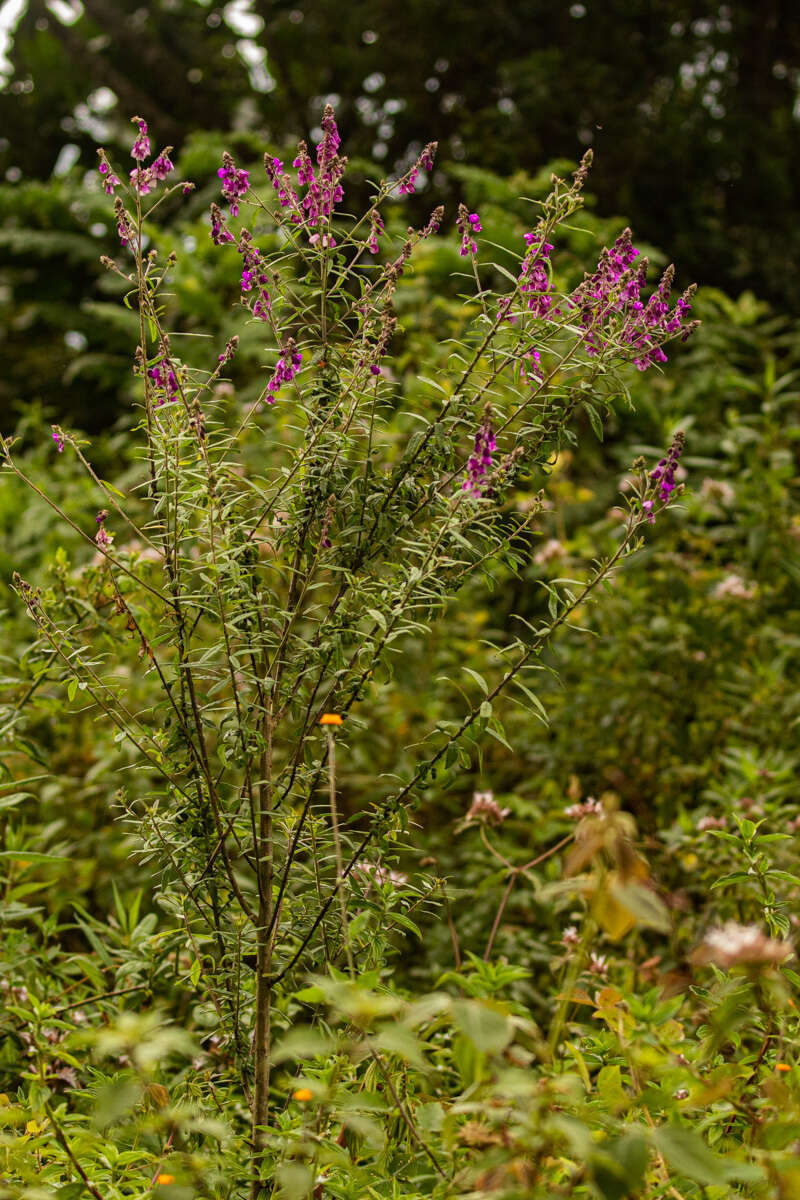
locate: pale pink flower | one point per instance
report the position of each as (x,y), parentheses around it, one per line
(484,807)
(734,587)
(590,807)
(711,823)
(379,874)
(551,549)
(732,944)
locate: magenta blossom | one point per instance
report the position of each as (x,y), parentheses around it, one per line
(235,182)
(141,147)
(480,460)
(534,281)
(468,225)
(286,368)
(375,230)
(162,165)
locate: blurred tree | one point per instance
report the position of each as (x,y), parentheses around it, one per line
(691,107)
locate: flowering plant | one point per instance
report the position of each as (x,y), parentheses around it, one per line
(283,553)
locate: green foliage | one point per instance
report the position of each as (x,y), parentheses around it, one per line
(534,1003)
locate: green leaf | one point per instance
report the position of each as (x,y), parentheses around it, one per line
(33,857)
(594,420)
(618,1166)
(734,877)
(687,1153)
(72,688)
(13,799)
(481,682)
(489,1030)
(609,1087)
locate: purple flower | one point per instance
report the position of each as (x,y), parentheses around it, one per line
(162,165)
(324,191)
(468,225)
(164,381)
(375,230)
(287,197)
(612,309)
(58,437)
(254,276)
(286,368)
(531,365)
(219,234)
(481,459)
(664,473)
(305,168)
(407,185)
(142,180)
(235,182)
(141,147)
(534,282)
(110,180)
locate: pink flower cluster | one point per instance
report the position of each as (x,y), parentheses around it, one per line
(143,179)
(480,460)
(254,276)
(286,368)
(468,224)
(235,182)
(485,808)
(323,188)
(534,281)
(407,185)
(612,309)
(164,380)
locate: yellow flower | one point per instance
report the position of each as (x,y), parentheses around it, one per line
(33,1127)
(302,1094)
(330,719)
(165,1177)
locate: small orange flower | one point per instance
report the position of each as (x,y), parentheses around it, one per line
(302,1094)
(165,1177)
(330,719)
(783,1066)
